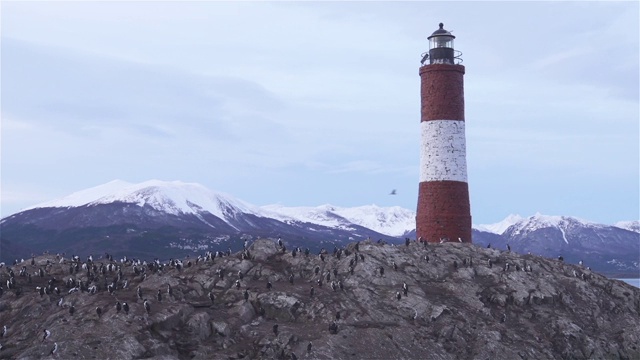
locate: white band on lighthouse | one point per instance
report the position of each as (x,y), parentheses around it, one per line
(443,151)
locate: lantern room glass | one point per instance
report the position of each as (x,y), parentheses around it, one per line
(441,42)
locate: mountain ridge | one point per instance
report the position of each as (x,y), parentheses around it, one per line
(158,217)
(201,198)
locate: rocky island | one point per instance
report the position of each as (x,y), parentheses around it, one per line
(368,300)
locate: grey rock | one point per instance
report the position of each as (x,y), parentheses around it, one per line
(472,312)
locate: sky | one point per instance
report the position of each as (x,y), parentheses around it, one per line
(312,103)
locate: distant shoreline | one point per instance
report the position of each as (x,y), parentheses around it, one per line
(631,281)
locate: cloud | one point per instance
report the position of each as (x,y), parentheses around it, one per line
(266,100)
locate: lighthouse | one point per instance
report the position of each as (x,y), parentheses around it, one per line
(443,213)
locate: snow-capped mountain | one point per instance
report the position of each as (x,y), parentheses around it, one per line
(612,248)
(156,215)
(180,198)
(169,197)
(392,221)
(629,225)
(158,218)
(500,227)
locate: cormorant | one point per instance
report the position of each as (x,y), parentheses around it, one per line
(55,348)
(46,334)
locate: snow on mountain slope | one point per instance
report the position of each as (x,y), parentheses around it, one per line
(320,215)
(173,197)
(499,227)
(629,225)
(86,196)
(392,221)
(539,221)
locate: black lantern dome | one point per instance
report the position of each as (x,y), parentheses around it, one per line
(441,47)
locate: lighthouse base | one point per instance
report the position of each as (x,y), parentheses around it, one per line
(443,212)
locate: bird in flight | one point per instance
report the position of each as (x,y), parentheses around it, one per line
(393,192)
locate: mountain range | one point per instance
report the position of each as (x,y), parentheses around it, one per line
(170,219)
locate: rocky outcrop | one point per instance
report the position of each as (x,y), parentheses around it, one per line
(461,302)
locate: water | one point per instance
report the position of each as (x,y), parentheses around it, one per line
(634,282)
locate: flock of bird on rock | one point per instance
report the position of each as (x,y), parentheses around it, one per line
(112,277)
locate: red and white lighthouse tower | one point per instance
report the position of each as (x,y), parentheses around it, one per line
(443,211)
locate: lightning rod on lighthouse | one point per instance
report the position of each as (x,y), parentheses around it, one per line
(443,212)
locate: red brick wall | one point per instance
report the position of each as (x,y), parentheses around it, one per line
(442,92)
(443,211)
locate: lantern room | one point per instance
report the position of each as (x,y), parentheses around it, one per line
(441,47)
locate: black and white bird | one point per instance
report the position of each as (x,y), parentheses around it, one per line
(99,311)
(398,295)
(147,306)
(405,288)
(118,306)
(139,291)
(333,328)
(211,297)
(246,295)
(4,331)
(159,296)
(312,291)
(55,348)
(275,329)
(291,278)
(72,309)
(309,346)
(125,307)
(60,301)
(381,271)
